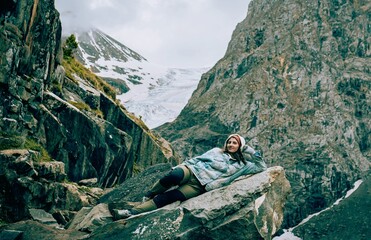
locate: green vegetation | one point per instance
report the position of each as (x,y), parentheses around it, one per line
(85,107)
(33,145)
(74,67)
(69,47)
(11,142)
(18,142)
(137,169)
(3,223)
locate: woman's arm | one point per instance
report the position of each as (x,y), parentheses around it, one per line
(256,157)
(206,157)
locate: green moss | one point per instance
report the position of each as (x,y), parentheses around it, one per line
(137,169)
(33,145)
(99,113)
(3,223)
(8,141)
(72,66)
(57,87)
(85,107)
(80,105)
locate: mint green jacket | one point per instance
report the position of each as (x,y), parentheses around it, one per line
(215,169)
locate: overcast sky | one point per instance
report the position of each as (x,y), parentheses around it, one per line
(172,33)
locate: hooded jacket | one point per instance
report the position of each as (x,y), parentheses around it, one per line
(215,169)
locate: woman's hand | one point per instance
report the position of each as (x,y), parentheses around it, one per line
(248,149)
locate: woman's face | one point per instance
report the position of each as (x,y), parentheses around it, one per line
(232,145)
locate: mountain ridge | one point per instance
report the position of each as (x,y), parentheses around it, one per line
(152,92)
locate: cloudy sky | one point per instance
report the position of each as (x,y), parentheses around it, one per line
(172,33)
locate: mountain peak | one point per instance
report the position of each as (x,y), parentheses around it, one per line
(96,46)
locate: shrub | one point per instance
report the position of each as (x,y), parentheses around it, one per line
(69,47)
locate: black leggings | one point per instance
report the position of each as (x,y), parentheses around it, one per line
(173,178)
(168,197)
(181,176)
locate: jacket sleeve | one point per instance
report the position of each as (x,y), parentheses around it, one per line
(205,157)
(256,165)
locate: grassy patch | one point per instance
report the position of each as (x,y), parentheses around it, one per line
(19,142)
(85,107)
(72,66)
(33,145)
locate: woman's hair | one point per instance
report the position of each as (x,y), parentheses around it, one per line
(237,156)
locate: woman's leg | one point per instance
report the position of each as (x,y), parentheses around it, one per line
(189,187)
(192,188)
(182,193)
(181,175)
(187,190)
(175,177)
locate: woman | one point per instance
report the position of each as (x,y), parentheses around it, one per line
(214,169)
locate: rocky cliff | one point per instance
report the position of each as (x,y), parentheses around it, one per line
(64,125)
(295,81)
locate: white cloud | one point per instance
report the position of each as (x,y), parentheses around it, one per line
(178,33)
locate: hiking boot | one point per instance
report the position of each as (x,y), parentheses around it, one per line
(121,214)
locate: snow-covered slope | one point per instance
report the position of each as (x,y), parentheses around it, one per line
(155,93)
(161,99)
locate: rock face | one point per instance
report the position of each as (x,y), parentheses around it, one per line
(295,81)
(347,220)
(29,184)
(96,139)
(30,106)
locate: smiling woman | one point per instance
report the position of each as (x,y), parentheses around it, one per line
(170,33)
(216,168)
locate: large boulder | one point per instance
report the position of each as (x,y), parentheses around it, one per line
(250,208)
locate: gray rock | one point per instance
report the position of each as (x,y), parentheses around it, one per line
(98,140)
(54,171)
(89,219)
(89,182)
(43,217)
(79,217)
(11,235)
(34,230)
(23,191)
(250,208)
(36,104)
